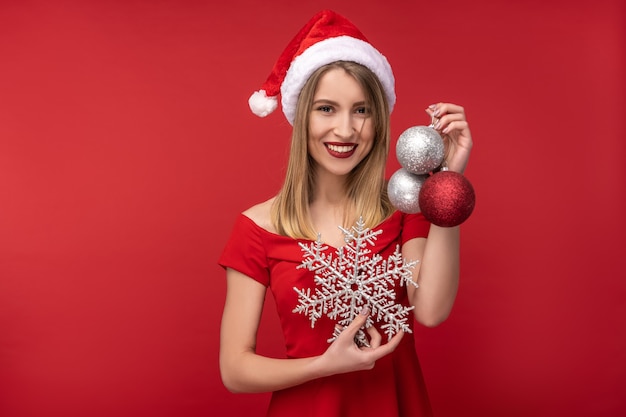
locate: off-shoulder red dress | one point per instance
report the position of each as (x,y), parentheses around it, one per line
(394,387)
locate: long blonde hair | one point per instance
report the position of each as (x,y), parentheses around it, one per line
(366,188)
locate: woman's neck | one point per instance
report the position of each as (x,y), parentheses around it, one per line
(330,190)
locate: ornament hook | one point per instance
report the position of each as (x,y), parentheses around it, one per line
(433,121)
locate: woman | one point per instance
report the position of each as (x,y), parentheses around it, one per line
(337,91)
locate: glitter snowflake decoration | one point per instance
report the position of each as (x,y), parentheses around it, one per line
(353,280)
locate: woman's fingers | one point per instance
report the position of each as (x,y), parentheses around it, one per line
(375,337)
(348,333)
(445,122)
(440,109)
(345,355)
(390,346)
(450,120)
(358,322)
(458,125)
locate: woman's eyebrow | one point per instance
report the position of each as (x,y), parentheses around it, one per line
(327,101)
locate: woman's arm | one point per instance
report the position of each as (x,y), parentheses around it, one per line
(437,274)
(243,370)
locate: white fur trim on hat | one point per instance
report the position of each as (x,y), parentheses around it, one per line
(341,48)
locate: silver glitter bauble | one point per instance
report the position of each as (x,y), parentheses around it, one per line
(404,189)
(420,149)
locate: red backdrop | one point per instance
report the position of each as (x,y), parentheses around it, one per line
(127,149)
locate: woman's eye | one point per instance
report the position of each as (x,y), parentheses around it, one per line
(325,109)
(362,110)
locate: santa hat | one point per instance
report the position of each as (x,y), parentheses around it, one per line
(326,38)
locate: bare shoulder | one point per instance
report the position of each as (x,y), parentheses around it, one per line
(261,215)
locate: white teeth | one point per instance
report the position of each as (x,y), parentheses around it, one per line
(340,149)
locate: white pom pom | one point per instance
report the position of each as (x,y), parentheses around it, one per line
(261,104)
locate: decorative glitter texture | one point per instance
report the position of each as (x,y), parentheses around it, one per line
(355,279)
(420,149)
(447,199)
(403,190)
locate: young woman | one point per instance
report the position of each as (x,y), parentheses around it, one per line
(338,92)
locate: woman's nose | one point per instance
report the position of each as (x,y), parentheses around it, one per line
(344,127)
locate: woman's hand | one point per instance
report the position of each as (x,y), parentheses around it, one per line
(451,123)
(243,370)
(344,355)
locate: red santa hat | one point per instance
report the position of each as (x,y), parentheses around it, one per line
(326,38)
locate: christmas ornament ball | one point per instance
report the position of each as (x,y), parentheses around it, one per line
(403,190)
(420,149)
(447,199)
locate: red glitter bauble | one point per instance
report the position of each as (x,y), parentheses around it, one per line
(447,199)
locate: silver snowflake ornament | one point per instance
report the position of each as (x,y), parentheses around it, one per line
(355,279)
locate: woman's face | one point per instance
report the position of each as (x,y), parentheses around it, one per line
(341,131)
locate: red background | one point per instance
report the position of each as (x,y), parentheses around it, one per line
(127,149)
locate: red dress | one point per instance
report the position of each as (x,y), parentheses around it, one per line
(395,387)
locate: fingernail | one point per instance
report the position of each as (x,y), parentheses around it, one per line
(437,125)
(436,113)
(446,130)
(432,106)
(365,311)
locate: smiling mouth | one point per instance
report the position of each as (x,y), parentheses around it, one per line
(340,150)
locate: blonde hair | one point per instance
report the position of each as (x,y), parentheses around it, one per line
(366,187)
